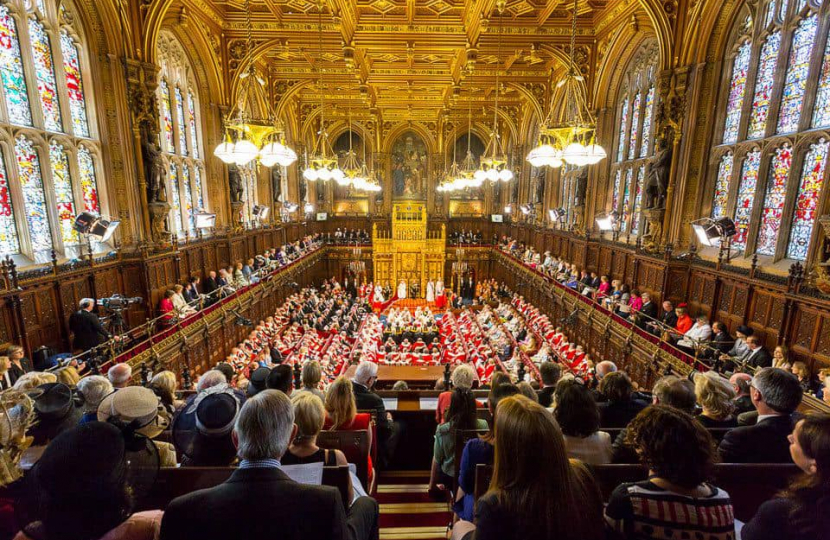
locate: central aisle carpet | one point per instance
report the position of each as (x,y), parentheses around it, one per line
(406,512)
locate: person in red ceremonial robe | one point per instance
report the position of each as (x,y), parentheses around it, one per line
(441,301)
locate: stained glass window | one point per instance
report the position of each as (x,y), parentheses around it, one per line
(796,81)
(188,198)
(635,126)
(746,197)
(722,186)
(806,206)
(197,188)
(615,200)
(11,70)
(821,112)
(166,116)
(770,12)
(74,85)
(764,86)
(89,184)
(623,124)
(182,128)
(774,200)
(638,199)
(45,75)
(8,228)
(64,198)
(175,201)
(194,138)
(626,211)
(737,89)
(34,199)
(649,112)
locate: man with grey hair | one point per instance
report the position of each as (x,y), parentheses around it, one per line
(775,393)
(259,501)
(209,379)
(365,376)
(86,327)
(600,371)
(94,389)
(120,375)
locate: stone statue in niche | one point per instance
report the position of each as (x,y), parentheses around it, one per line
(235,183)
(155,172)
(657,175)
(276,182)
(580,186)
(303,189)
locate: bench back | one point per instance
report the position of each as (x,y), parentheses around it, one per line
(354,444)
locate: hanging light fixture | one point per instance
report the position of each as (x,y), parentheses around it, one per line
(247,137)
(494,166)
(572,139)
(322,164)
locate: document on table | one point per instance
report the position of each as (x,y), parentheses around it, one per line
(428,403)
(310,474)
(391,403)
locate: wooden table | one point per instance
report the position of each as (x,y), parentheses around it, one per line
(415,376)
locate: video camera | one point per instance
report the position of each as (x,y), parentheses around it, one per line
(117,302)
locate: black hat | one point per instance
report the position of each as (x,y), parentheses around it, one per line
(258,380)
(745,330)
(202,431)
(281,378)
(58,409)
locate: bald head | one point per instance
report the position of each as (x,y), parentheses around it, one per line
(740,383)
(604,368)
(120,375)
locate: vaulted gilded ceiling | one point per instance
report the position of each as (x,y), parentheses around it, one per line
(396,60)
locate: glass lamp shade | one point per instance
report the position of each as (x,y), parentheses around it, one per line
(310,174)
(506,175)
(575,154)
(309,208)
(541,155)
(225,152)
(338,175)
(474,183)
(244,152)
(286,156)
(492,175)
(267,160)
(480,175)
(273,153)
(555,161)
(596,153)
(324,174)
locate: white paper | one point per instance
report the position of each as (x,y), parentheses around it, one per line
(428,403)
(357,487)
(391,403)
(310,474)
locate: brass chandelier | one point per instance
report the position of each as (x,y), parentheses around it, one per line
(247,137)
(572,139)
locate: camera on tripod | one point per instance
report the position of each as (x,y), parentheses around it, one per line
(117,302)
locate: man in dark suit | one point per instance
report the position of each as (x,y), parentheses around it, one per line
(648,313)
(86,327)
(260,501)
(210,283)
(191,292)
(776,394)
(551,373)
(757,357)
(721,341)
(364,379)
(740,384)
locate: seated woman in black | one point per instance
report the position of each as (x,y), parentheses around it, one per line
(309,416)
(531,498)
(803,511)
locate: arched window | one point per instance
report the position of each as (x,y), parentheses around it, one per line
(635,140)
(770,153)
(180,135)
(49,152)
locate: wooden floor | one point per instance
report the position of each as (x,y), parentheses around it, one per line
(406,512)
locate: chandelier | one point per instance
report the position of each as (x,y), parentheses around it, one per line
(494,166)
(357,266)
(459,267)
(572,138)
(322,164)
(247,137)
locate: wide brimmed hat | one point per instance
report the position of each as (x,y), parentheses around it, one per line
(58,408)
(745,330)
(202,431)
(136,408)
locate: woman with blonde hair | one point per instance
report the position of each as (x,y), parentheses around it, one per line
(180,304)
(68,376)
(311,377)
(5,378)
(342,415)
(534,499)
(781,357)
(165,385)
(716,397)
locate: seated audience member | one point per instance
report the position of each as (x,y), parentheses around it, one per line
(20,365)
(311,377)
(679,454)
(281,378)
(93,388)
(388,431)
(120,375)
(781,357)
(309,415)
(740,384)
(5,377)
(551,372)
(757,357)
(717,399)
(802,512)
(33,379)
(167,309)
(460,415)
(700,332)
(578,416)
(527,391)
(209,379)
(258,500)
(534,499)
(478,451)
(138,409)
(621,407)
(258,381)
(805,378)
(739,349)
(68,375)
(81,490)
(165,386)
(202,431)
(191,291)
(776,394)
(341,414)
(180,303)
(600,371)
(400,386)
(463,376)
(721,341)
(647,313)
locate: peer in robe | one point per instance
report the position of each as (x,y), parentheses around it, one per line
(430,291)
(402,290)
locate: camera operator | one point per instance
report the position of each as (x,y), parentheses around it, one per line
(86,327)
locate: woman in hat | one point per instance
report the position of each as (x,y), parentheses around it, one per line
(80,491)
(202,432)
(139,410)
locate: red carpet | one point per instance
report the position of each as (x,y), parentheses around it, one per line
(406,512)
